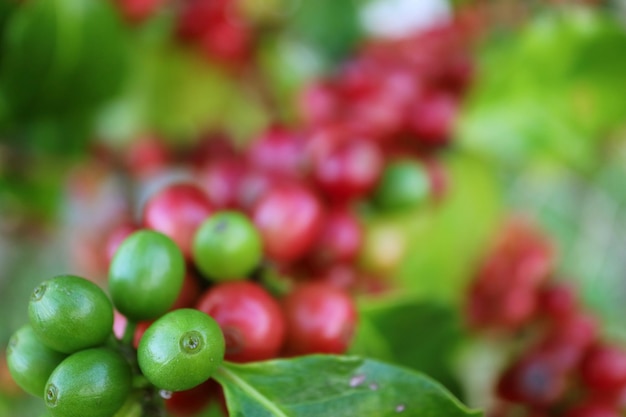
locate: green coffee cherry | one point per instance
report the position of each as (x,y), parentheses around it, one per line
(227,246)
(70,313)
(146,275)
(181,350)
(31,362)
(93,382)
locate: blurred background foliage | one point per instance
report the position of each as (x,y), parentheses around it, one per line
(543,132)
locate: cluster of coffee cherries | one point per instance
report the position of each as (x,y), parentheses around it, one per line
(218,29)
(563,367)
(68,354)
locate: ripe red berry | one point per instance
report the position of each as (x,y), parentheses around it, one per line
(604,368)
(191,402)
(557,301)
(349,169)
(177,211)
(320,319)
(289,218)
(221,180)
(340,238)
(251,320)
(532,380)
(593,410)
(279,151)
(147,156)
(431,119)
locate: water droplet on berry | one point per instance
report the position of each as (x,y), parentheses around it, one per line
(165,394)
(357,380)
(400,408)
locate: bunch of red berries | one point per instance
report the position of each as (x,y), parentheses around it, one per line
(216,28)
(564,368)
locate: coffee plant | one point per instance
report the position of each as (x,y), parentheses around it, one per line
(287,208)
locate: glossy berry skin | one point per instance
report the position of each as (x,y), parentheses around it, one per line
(251,320)
(431,119)
(181,350)
(340,238)
(289,218)
(31,362)
(221,180)
(93,382)
(146,275)
(320,319)
(604,368)
(177,211)
(278,151)
(348,170)
(227,246)
(70,313)
(404,185)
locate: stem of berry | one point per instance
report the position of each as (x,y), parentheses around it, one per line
(129,333)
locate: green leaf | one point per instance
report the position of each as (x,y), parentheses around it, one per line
(550,92)
(442,252)
(332,27)
(320,385)
(418,334)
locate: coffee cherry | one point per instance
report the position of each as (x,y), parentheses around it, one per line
(320,319)
(31,362)
(191,402)
(221,180)
(340,238)
(289,218)
(92,382)
(251,320)
(533,380)
(593,410)
(278,151)
(405,184)
(181,350)
(227,246)
(146,275)
(177,211)
(70,313)
(348,170)
(557,301)
(604,368)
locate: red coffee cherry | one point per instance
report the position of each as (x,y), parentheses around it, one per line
(289,218)
(251,320)
(533,380)
(604,368)
(340,238)
(593,410)
(191,402)
(176,211)
(320,319)
(278,151)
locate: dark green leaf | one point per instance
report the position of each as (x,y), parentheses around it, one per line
(313,386)
(414,333)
